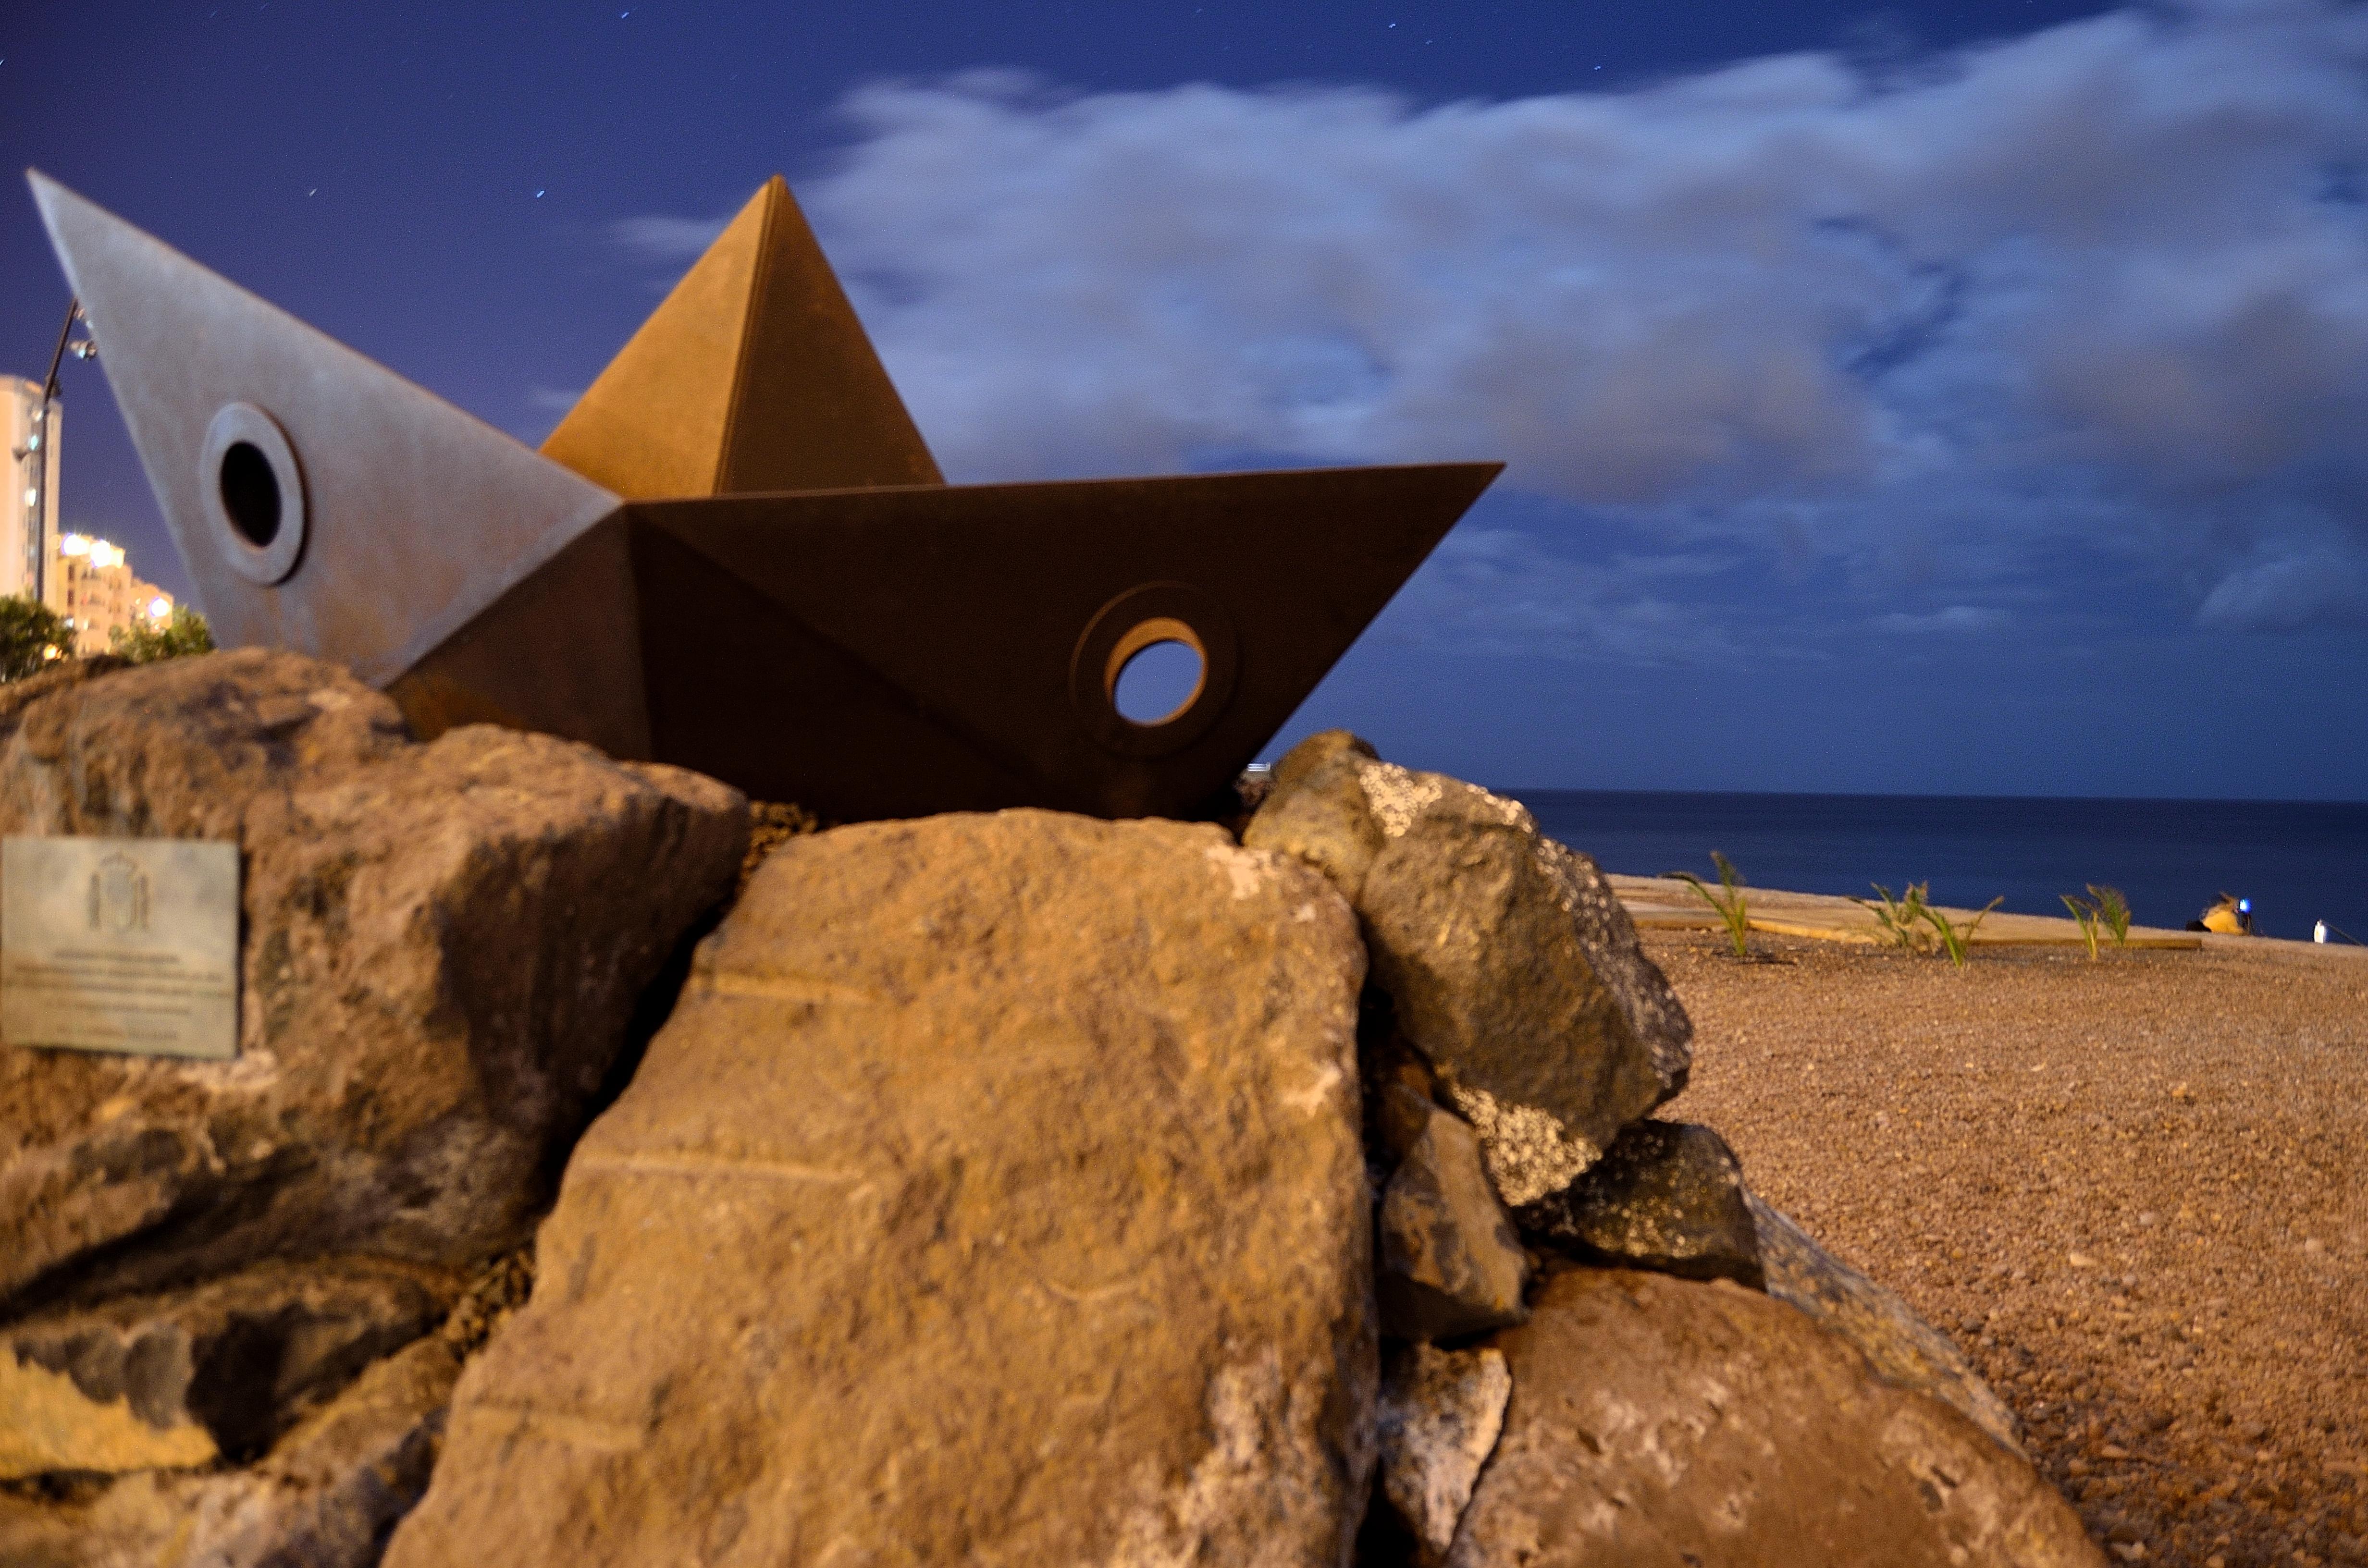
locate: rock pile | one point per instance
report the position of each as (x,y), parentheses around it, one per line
(443,947)
(1643,1401)
(1009,1189)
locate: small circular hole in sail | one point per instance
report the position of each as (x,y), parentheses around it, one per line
(1158,682)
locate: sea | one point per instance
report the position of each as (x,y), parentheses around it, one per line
(2298,862)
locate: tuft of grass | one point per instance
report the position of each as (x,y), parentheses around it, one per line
(1912,923)
(1902,919)
(2105,909)
(2087,914)
(2114,911)
(1956,940)
(1730,903)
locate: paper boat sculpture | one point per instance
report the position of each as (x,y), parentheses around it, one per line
(736,554)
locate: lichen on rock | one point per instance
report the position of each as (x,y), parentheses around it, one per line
(1507,959)
(1441,1414)
(1669,1195)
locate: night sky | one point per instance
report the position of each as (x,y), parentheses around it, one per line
(1940,398)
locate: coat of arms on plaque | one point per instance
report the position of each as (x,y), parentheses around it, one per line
(119,896)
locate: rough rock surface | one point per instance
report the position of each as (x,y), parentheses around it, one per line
(1440,1412)
(1450,1262)
(1508,960)
(1902,1347)
(1666,1196)
(1661,1421)
(443,948)
(213,1370)
(994,1195)
(182,748)
(1401,1093)
(326,1497)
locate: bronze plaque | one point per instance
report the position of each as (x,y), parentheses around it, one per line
(119,944)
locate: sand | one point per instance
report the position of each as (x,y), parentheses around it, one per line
(2130,1189)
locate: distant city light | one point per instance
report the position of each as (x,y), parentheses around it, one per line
(102,554)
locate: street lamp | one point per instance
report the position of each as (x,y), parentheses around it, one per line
(37,449)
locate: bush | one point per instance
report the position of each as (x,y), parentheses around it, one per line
(32,638)
(146,641)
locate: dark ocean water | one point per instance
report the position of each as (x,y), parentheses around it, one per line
(2298,862)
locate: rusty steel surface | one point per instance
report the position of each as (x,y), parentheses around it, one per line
(753,374)
(809,615)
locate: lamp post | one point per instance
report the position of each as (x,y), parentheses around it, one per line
(39,447)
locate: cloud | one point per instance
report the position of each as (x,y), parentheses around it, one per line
(1954,619)
(658,239)
(2016,323)
(2287,592)
(1501,590)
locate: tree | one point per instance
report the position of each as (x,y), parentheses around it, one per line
(32,638)
(145,642)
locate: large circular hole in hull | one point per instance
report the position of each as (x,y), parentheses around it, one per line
(251,489)
(250,494)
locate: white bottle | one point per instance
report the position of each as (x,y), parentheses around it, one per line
(2318,932)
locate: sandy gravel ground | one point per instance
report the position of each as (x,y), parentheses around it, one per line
(2132,1189)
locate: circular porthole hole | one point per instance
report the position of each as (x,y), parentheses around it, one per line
(250,494)
(1158,682)
(251,488)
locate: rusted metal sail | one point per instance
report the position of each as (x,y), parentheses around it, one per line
(753,375)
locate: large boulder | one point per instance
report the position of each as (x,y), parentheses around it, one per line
(324,1497)
(443,947)
(994,1195)
(1901,1346)
(182,748)
(1508,959)
(1662,1422)
(1666,1196)
(212,1371)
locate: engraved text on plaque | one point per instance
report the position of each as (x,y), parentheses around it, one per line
(119,944)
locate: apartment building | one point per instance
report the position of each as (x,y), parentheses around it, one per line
(29,511)
(88,582)
(92,586)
